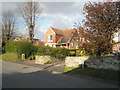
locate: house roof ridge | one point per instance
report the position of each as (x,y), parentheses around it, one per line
(57,31)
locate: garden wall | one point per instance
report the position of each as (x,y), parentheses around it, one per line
(45,59)
(75,61)
(105,62)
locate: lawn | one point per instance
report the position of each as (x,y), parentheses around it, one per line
(104,74)
(9,57)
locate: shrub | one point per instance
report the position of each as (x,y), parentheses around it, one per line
(44,50)
(83,53)
(60,52)
(56,52)
(31,57)
(72,52)
(25,47)
(78,52)
(11,46)
(19,47)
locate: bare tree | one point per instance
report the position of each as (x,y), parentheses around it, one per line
(8,25)
(30,12)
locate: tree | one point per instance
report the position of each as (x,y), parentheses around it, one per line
(30,12)
(8,25)
(100,25)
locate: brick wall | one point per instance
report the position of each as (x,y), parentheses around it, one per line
(50,32)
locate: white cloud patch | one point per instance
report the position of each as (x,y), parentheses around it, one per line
(61,15)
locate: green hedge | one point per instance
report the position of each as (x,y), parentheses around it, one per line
(60,52)
(25,47)
(56,52)
(19,47)
(11,46)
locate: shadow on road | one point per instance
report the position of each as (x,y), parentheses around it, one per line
(45,79)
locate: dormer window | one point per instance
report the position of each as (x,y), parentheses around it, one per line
(50,38)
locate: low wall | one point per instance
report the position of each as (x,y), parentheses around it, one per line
(106,62)
(45,59)
(75,61)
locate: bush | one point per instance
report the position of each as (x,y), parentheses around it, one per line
(19,47)
(72,52)
(55,52)
(31,57)
(44,50)
(11,46)
(60,52)
(25,47)
(83,53)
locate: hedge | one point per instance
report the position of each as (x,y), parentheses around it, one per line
(60,52)
(11,46)
(19,47)
(55,52)
(25,47)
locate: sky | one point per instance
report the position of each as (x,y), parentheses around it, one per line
(61,15)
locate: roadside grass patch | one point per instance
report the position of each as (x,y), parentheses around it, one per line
(49,62)
(105,74)
(10,57)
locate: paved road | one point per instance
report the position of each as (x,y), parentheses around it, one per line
(24,76)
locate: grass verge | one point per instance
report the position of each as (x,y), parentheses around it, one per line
(10,57)
(105,74)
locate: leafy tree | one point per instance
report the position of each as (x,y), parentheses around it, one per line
(102,22)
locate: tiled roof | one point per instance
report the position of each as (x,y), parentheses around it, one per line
(66,34)
(57,31)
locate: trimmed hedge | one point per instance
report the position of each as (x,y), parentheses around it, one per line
(19,47)
(60,52)
(25,47)
(55,52)
(11,46)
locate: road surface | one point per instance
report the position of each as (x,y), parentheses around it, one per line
(24,76)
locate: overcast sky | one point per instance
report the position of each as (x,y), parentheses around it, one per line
(61,15)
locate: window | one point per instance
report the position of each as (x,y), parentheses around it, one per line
(50,38)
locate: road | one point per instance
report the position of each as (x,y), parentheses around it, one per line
(24,76)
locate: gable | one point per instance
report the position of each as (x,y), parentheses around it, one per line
(57,31)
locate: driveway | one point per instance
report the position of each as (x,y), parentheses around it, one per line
(26,76)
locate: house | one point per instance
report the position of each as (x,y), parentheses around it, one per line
(36,42)
(62,38)
(20,38)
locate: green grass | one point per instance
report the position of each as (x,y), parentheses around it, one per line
(49,62)
(105,74)
(9,57)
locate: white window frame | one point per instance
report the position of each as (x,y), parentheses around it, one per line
(50,38)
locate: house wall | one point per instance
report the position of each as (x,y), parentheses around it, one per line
(55,37)
(50,32)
